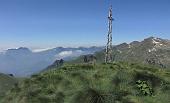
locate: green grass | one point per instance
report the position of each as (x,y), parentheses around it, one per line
(99,83)
(6,83)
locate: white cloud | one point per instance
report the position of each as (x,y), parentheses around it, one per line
(40,50)
(65,53)
(79,51)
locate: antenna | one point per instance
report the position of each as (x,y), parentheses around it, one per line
(108,52)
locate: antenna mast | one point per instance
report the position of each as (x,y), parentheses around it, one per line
(108,55)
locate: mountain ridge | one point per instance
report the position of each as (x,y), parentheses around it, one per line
(152,50)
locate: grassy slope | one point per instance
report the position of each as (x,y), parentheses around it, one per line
(6,83)
(100,83)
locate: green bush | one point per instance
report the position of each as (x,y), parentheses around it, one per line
(144,88)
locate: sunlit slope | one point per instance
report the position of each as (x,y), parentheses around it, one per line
(6,83)
(101,83)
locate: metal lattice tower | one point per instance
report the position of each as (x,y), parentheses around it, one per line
(108,55)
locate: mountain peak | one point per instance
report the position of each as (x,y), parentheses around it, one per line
(18,50)
(155,41)
(150,38)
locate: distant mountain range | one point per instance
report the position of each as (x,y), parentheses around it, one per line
(152,51)
(24,62)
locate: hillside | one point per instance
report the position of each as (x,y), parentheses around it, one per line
(100,83)
(152,51)
(6,83)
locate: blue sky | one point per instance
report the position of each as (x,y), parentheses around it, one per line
(51,23)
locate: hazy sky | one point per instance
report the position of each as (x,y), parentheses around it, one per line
(50,23)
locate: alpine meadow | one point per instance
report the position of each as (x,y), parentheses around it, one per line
(84,51)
